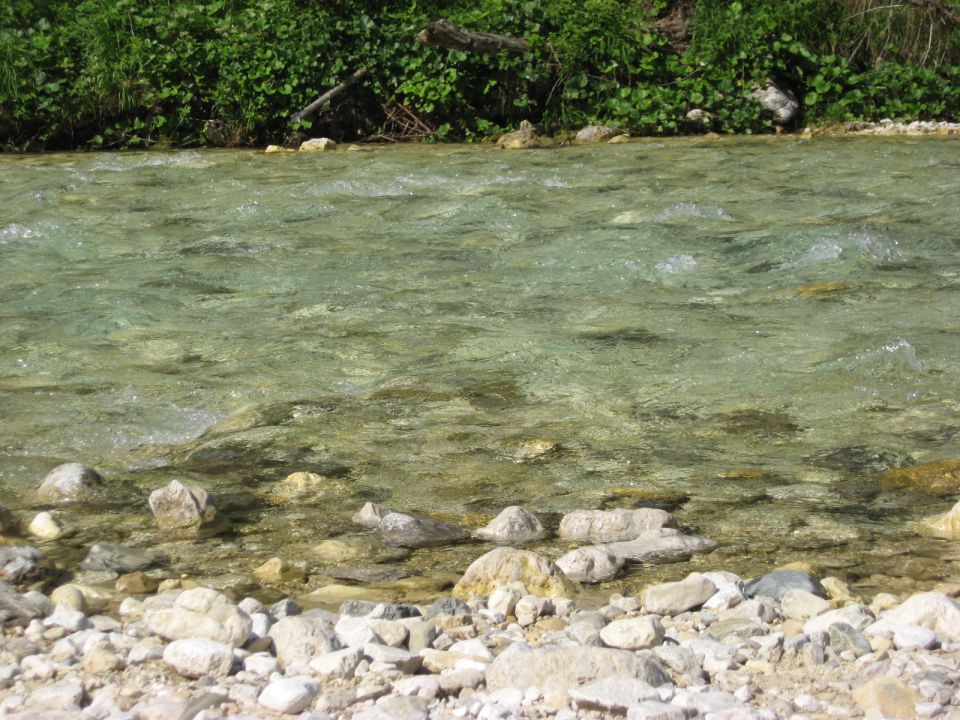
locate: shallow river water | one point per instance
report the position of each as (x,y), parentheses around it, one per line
(746,332)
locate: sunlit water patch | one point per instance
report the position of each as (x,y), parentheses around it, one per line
(747,332)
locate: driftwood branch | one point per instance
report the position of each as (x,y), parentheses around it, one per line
(938,10)
(444,33)
(329,95)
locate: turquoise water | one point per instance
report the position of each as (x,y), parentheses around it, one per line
(744,331)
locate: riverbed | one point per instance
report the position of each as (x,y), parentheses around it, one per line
(743,331)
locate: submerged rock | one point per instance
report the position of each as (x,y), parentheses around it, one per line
(526,137)
(538,574)
(415,531)
(45,527)
(513,525)
(938,478)
(68,483)
(117,558)
(946,526)
(601,526)
(370,515)
(318,145)
(662,545)
(19,563)
(186,511)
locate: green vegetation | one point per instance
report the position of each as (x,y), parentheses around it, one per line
(135,73)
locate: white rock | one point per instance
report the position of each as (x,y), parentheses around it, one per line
(602,526)
(318,145)
(370,515)
(590,564)
(504,598)
(932,610)
(729,590)
(857,616)
(289,695)
(633,633)
(472,648)
(905,637)
(262,664)
(63,695)
(677,597)
(301,637)
(801,605)
(196,657)
(616,693)
(67,618)
(339,664)
(45,527)
(201,612)
(403,660)
(513,525)
(355,631)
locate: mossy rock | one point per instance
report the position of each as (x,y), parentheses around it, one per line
(938,478)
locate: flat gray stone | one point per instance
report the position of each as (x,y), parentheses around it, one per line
(662,545)
(638,633)
(196,657)
(118,558)
(615,693)
(556,669)
(674,598)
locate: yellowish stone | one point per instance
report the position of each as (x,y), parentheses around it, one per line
(937,477)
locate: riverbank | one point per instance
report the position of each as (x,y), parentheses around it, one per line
(710,646)
(514,638)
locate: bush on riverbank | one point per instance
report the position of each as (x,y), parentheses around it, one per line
(129,73)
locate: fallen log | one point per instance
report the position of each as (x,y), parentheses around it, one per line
(329,95)
(444,33)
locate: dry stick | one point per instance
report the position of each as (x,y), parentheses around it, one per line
(445,34)
(329,95)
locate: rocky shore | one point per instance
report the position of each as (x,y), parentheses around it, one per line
(512,639)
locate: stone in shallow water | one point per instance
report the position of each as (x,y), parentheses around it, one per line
(938,478)
(347,549)
(67,483)
(513,525)
(118,558)
(506,565)
(663,545)
(946,526)
(45,527)
(414,531)
(370,515)
(776,584)
(186,511)
(276,570)
(590,564)
(602,526)
(19,563)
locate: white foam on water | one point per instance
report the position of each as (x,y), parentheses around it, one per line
(693,210)
(15,231)
(676,264)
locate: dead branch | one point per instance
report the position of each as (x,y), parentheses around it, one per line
(444,33)
(329,95)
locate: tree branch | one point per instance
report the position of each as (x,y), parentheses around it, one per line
(444,33)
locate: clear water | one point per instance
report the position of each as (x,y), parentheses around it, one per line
(743,331)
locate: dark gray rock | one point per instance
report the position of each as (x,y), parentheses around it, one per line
(118,558)
(15,609)
(19,563)
(415,531)
(448,606)
(776,584)
(70,482)
(394,611)
(357,608)
(284,608)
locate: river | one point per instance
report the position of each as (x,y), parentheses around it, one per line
(746,332)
